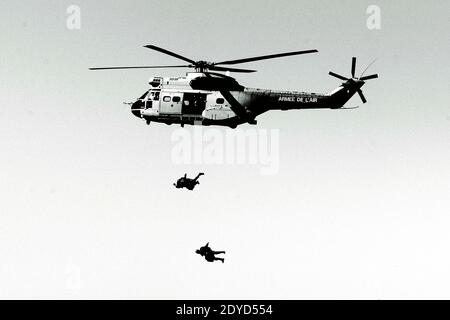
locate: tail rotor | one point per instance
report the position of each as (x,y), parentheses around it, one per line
(353,80)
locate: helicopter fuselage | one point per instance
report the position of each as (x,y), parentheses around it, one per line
(200,99)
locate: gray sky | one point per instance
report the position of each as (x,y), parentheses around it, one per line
(359,208)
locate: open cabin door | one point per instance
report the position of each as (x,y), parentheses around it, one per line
(194,103)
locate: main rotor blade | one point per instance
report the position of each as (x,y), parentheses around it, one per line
(230,69)
(235,106)
(361,96)
(337,76)
(372,76)
(353,66)
(271,56)
(169,53)
(143,67)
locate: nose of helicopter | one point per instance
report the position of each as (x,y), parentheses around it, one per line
(137,107)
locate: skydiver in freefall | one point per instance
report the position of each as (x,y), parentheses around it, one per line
(209,254)
(188,183)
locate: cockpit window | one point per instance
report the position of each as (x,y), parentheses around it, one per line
(166,99)
(176,99)
(220,101)
(143,96)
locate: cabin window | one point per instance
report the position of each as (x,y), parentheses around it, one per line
(220,101)
(166,99)
(176,99)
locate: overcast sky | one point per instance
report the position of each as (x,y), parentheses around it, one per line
(359,208)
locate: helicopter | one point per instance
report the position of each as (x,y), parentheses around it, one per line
(208,97)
